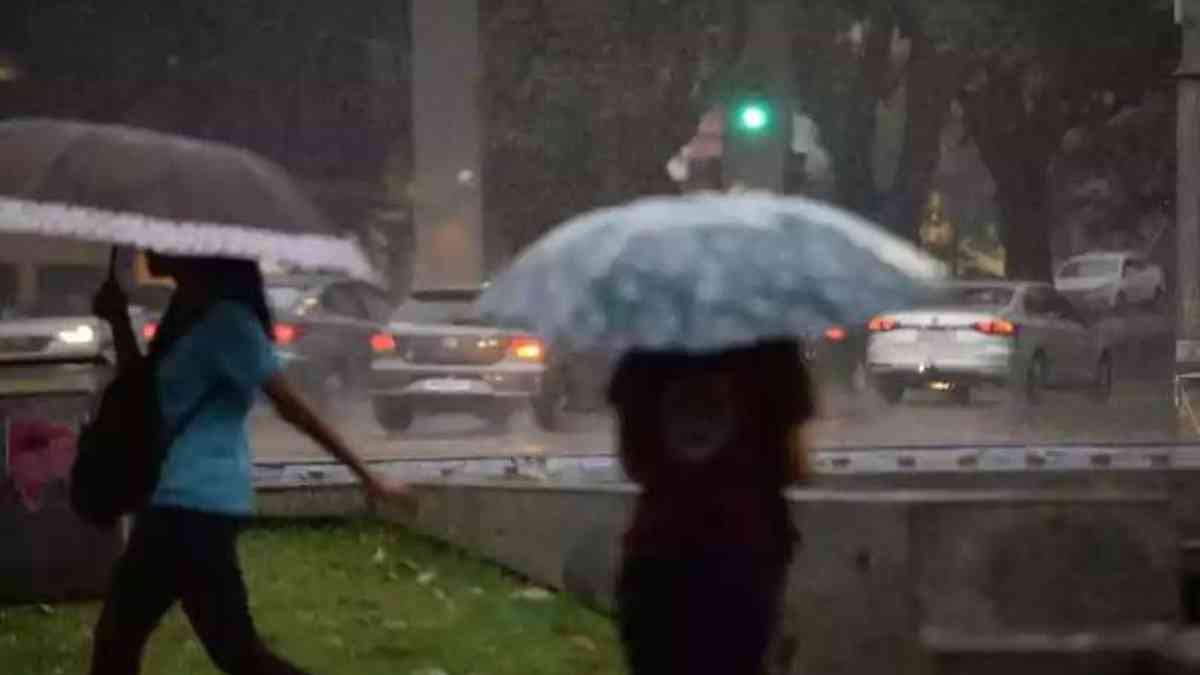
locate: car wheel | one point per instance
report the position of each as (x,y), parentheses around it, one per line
(498,417)
(1158,302)
(961,395)
(1120,302)
(891,392)
(393,415)
(1035,379)
(1102,384)
(334,391)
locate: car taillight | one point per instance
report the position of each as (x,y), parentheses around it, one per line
(882,324)
(835,334)
(527,349)
(149,331)
(286,333)
(996,327)
(382,343)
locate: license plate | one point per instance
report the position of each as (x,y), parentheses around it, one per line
(448,386)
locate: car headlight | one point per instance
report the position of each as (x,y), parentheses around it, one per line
(79,335)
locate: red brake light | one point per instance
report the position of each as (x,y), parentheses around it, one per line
(149,330)
(996,327)
(382,343)
(881,324)
(835,334)
(286,333)
(527,349)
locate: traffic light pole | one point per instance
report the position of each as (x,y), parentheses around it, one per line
(448,134)
(759,118)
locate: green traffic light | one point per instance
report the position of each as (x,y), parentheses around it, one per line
(753,116)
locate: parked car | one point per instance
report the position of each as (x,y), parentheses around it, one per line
(323,329)
(436,356)
(1023,335)
(46,353)
(1110,280)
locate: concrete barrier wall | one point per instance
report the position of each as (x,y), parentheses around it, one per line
(876,572)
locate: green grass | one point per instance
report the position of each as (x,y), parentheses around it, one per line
(362,599)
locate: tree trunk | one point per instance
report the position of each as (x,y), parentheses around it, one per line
(1016,141)
(856,164)
(934,78)
(1021,197)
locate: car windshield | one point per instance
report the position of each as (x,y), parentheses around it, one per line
(1100,267)
(439,307)
(64,291)
(286,298)
(978,296)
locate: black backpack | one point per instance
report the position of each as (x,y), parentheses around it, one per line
(120,451)
(122,448)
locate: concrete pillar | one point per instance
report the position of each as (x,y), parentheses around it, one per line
(1187,228)
(448,142)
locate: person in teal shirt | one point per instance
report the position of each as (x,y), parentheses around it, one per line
(212,357)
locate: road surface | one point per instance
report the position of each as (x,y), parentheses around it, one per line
(1136,414)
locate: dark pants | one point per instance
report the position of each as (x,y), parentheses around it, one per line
(698,616)
(189,557)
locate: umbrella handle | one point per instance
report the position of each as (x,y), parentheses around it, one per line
(112,265)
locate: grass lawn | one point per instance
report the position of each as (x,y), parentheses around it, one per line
(361,599)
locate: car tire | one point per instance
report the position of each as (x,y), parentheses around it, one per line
(890,391)
(334,391)
(498,417)
(1120,302)
(1034,380)
(1102,384)
(392,414)
(1158,302)
(961,395)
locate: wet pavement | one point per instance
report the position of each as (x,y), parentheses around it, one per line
(1138,412)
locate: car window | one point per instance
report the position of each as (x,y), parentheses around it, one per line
(981,296)
(66,290)
(1058,305)
(416,310)
(1090,268)
(286,298)
(341,300)
(379,306)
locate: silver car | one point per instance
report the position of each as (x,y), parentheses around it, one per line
(436,357)
(1004,334)
(54,356)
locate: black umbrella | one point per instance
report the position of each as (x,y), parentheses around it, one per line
(151,190)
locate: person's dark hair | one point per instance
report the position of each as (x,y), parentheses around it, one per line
(208,281)
(773,387)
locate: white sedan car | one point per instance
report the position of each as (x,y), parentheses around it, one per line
(1022,335)
(1110,280)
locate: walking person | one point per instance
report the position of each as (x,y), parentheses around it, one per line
(712,440)
(213,355)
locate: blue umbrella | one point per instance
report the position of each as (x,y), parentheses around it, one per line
(704,273)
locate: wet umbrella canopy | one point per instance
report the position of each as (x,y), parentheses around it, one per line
(157,191)
(706,272)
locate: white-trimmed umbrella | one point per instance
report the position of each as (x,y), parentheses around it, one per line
(150,190)
(706,272)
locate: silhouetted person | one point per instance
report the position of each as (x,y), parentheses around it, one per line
(215,355)
(712,441)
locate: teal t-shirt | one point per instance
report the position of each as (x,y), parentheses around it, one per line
(220,364)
